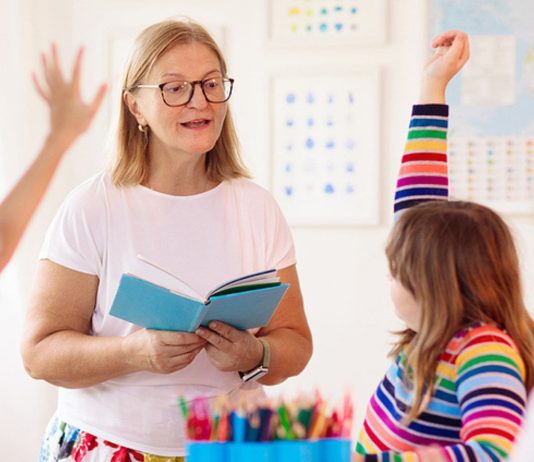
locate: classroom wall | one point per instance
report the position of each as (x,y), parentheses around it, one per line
(342,270)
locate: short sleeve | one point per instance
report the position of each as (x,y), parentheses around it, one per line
(75,238)
(266,239)
(280,246)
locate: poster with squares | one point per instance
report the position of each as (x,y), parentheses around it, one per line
(494,170)
(325,148)
(491,128)
(328,21)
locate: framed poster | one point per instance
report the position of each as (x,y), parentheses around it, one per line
(325,22)
(325,148)
(491,135)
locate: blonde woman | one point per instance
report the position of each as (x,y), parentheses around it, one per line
(180,196)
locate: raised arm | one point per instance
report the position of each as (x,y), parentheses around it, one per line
(423,174)
(69,118)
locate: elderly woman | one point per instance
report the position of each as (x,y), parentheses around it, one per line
(178,194)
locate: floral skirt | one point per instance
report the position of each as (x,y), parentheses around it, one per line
(64,443)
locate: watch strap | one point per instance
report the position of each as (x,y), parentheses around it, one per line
(262,369)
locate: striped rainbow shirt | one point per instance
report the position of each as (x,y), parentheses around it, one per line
(477,405)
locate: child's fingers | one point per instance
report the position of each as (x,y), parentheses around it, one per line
(56,67)
(446,38)
(45,65)
(76,71)
(48,71)
(465,54)
(456,50)
(39,88)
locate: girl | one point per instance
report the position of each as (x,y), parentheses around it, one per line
(456,390)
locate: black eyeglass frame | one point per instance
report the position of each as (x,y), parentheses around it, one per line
(192,83)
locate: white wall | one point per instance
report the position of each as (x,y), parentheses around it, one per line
(342,270)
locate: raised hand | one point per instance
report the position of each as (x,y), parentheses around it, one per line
(70,116)
(451,53)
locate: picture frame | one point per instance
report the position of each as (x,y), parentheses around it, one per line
(325,145)
(313,23)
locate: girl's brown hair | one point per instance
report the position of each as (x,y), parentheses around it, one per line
(131,164)
(459,261)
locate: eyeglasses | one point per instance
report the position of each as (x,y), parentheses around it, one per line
(180,92)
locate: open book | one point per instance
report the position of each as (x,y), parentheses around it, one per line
(245,302)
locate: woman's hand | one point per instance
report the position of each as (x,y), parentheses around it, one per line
(162,351)
(357,457)
(230,349)
(69,115)
(451,53)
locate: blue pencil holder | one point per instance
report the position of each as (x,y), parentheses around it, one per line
(254,452)
(335,449)
(324,450)
(206,451)
(297,451)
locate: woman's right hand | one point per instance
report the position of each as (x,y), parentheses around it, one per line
(450,55)
(162,351)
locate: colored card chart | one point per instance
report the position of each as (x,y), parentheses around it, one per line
(326,21)
(325,144)
(497,171)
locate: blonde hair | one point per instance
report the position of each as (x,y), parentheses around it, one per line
(459,261)
(131,166)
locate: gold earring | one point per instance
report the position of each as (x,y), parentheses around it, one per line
(143,128)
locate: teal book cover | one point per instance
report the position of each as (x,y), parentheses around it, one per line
(244,306)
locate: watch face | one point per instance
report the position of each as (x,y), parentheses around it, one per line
(255,374)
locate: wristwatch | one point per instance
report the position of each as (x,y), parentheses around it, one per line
(260,370)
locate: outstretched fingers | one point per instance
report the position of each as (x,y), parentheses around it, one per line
(76,70)
(52,68)
(39,88)
(56,66)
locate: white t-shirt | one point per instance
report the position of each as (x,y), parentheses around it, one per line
(205,239)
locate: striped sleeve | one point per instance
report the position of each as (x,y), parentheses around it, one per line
(423,174)
(490,384)
(488,377)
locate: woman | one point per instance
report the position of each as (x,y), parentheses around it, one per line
(178,195)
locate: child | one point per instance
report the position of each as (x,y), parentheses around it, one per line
(69,118)
(457,388)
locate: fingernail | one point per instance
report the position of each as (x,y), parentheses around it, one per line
(213,325)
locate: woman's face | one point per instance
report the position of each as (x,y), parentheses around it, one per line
(407,308)
(192,129)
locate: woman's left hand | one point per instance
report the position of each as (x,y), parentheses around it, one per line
(230,349)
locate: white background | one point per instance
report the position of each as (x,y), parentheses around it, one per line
(342,270)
